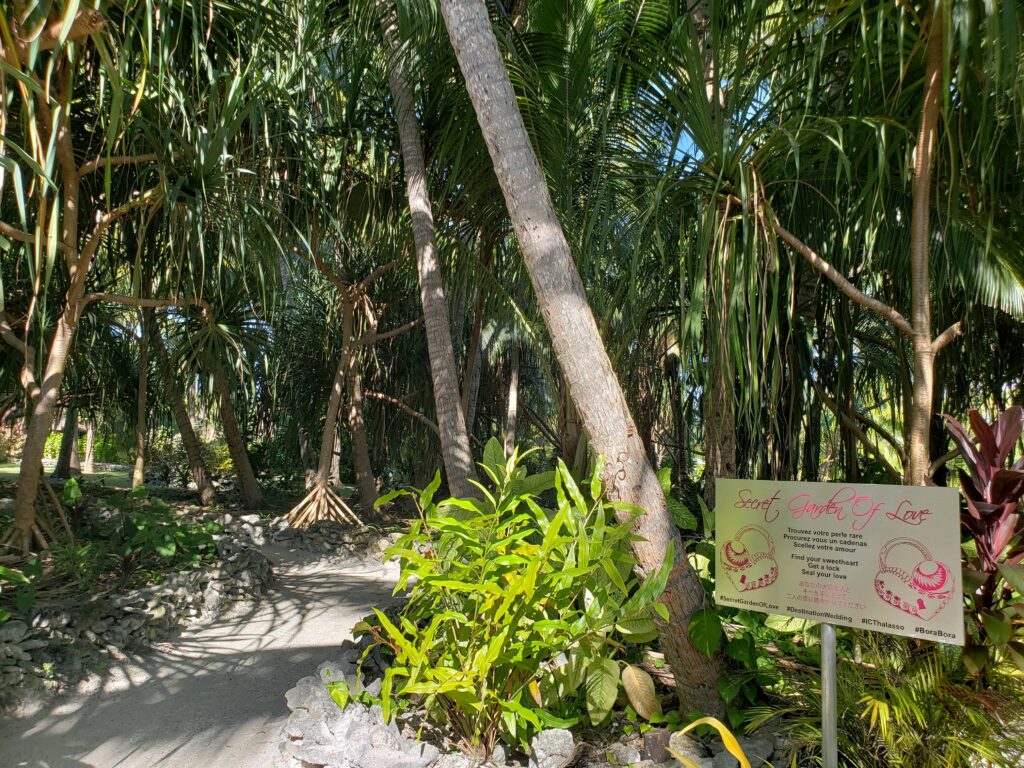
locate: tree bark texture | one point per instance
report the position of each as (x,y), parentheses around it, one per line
(918,457)
(67,456)
(471,376)
(90,447)
(577,342)
(139,471)
(451,419)
(513,401)
(189,439)
(366,483)
(252,495)
(327,438)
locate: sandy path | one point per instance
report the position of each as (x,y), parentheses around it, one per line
(215,695)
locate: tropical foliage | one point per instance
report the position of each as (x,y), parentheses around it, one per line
(518,617)
(304,244)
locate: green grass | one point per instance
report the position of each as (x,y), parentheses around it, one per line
(9,474)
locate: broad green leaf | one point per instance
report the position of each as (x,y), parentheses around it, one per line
(427,494)
(534,485)
(640,691)
(637,630)
(13,576)
(601,688)
(729,687)
(1016,651)
(786,624)
(1014,575)
(998,629)
(595,478)
(339,692)
(706,630)
(665,480)
(682,516)
(494,455)
(388,497)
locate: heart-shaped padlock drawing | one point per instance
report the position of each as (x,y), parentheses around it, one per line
(921,592)
(750,563)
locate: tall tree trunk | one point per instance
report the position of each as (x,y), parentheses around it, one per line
(451,419)
(335,475)
(39,424)
(305,457)
(471,376)
(252,496)
(719,396)
(918,329)
(67,456)
(139,471)
(577,343)
(568,426)
(366,483)
(189,440)
(513,401)
(327,438)
(90,447)
(918,456)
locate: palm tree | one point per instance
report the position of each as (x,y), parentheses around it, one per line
(577,342)
(451,418)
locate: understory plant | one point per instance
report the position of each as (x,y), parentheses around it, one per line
(994,574)
(901,704)
(520,616)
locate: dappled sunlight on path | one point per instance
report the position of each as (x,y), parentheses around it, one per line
(214,696)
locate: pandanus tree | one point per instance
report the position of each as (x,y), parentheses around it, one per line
(70,69)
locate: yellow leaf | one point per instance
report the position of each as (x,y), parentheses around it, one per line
(728,739)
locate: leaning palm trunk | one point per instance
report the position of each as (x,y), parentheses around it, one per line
(189,439)
(593,385)
(252,496)
(451,419)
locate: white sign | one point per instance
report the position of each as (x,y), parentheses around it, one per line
(880,557)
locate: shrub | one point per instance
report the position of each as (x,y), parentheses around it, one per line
(519,617)
(901,703)
(994,574)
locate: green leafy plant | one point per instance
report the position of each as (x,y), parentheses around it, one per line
(147,530)
(901,703)
(20,585)
(992,489)
(519,617)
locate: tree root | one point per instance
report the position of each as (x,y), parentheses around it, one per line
(42,529)
(322,503)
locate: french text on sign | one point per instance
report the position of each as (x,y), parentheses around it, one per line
(878,557)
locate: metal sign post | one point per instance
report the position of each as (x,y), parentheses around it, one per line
(829,735)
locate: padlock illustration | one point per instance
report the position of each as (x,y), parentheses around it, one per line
(750,560)
(921,591)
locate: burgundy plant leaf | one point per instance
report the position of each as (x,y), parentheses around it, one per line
(968,450)
(969,486)
(1007,485)
(1004,532)
(986,443)
(1009,425)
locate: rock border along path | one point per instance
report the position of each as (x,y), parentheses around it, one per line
(214,695)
